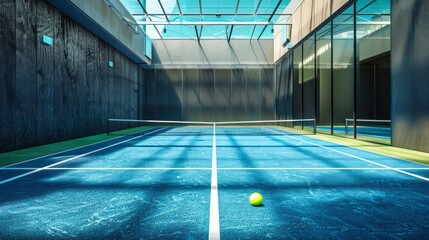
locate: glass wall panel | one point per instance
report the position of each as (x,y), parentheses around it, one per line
(373,75)
(297,83)
(309,82)
(323,73)
(343,69)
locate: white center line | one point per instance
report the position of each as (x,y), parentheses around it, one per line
(73,158)
(214,230)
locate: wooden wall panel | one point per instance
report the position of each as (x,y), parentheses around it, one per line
(126,93)
(60,78)
(141,94)
(90,90)
(117,90)
(26,68)
(45,75)
(103,69)
(111,81)
(79,61)
(7,76)
(134,76)
(58,92)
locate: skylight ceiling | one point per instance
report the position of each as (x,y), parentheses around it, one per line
(210,19)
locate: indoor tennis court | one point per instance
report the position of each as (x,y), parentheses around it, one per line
(214,119)
(159,184)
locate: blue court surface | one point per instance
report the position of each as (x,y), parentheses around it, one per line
(189,183)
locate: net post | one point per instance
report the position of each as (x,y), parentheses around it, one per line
(347,127)
(314,125)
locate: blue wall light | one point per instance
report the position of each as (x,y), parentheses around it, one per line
(110,64)
(45,39)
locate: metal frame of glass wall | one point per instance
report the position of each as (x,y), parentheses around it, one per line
(342,72)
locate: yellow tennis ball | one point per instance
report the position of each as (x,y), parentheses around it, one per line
(256,199)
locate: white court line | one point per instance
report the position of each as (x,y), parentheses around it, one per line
(206,169)
(214,229)
(52,154)
(362,159)
(106,169)
(73,158)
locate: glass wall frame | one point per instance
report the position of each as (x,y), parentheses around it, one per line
(336,96)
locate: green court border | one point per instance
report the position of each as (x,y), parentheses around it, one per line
(44,150)
(17,156)
(383,149)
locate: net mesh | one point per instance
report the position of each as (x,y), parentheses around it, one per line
(187,128)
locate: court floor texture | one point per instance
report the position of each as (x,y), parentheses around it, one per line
(194,183)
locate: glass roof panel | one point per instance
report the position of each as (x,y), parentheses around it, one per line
(213,32)
(217,15)
(268,6)
(218,6)
(190,6)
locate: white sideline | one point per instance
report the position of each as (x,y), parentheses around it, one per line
(214,229)
(362,159)
(206,169)
(70,159)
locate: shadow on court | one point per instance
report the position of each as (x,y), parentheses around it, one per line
(109,204)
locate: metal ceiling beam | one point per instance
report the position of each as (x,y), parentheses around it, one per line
(201,9)
(230,33)
(178,6)
(162,7)
(257,7)
(271,17)
(144,9)
(147,15)
(212,23)
(251,36)
(223,14)
(196,33)
(236,8)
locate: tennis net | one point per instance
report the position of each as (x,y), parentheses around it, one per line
(264,127)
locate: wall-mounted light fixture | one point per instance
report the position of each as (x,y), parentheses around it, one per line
(286,43)
(110,63)
(45,39)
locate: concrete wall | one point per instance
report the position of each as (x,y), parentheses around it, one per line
(409,71)
(212,52)
(309,15)
(98,17)
(210,94)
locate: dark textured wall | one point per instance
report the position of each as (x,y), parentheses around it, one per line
(210,94)
(409,71)
(284,88)
(59,92)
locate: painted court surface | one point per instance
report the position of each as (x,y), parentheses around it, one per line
(165,183)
